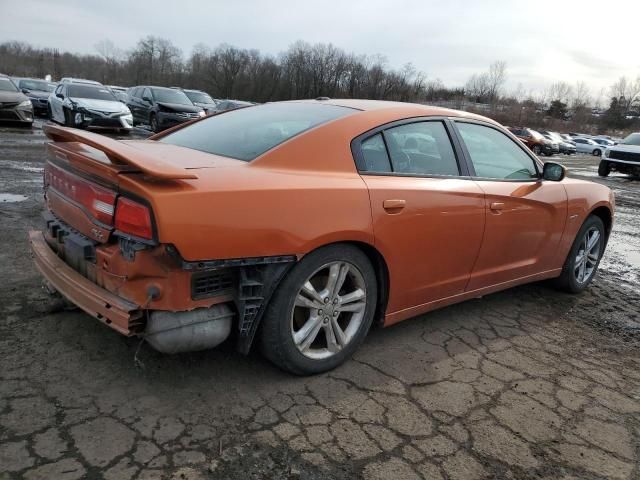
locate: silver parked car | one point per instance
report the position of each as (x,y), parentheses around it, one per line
(586,145)
(85,105)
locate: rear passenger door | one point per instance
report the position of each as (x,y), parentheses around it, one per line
(428,215)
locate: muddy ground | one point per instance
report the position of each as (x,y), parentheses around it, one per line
(527,383)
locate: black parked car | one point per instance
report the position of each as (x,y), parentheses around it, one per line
(161,107)
(38,92)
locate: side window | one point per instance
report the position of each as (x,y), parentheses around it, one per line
(494,155)
(422,148)
(374,153)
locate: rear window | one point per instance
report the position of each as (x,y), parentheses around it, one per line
(247,133)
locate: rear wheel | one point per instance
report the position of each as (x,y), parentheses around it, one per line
(582,262)
(597,152)
(321,311)
(604,169)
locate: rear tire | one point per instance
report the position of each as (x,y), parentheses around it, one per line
(309,326)
(597,152)
(604,169)
(574,278)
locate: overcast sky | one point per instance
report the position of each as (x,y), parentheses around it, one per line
(541,41)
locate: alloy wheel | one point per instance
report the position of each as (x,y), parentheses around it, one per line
(328,310)
(588,255)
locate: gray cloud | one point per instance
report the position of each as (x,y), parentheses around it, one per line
(541,42)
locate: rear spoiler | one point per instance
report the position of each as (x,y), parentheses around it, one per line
(119,153)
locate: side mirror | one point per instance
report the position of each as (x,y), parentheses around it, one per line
(147,99)
(553,172)
(59,95)
(24,90)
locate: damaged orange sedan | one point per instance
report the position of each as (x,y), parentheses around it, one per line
(299,224)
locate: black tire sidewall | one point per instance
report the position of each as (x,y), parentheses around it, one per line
(604,168)
(597,152)
(568,278)
(154,120)
(276,338)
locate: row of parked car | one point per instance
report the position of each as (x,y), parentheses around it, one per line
(83,103)
(553,143)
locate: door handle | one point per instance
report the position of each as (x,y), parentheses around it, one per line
(496,206)
(394,205)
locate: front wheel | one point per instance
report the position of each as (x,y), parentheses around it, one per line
(68,118)
(584,257)
(153,122)
(321,311)
(536,149)
(604,169)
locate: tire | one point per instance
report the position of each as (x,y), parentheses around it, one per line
(597,152)
(604,169)
(68,119)
(153,123)
(569,279)
(49,112)
(536,149)
(285,313)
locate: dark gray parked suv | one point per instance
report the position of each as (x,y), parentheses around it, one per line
(161,107)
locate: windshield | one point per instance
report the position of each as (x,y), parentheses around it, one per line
(91,92)
(169,95)
(7,85)
(632,139)
(39,85)
(247,133)
(199,97)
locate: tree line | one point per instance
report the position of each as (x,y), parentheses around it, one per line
(312,70)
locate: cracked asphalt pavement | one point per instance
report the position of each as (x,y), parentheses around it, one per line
(526,383)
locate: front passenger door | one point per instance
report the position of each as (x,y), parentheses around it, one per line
(526,215)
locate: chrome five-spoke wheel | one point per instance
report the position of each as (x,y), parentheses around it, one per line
(588,255)
(328,310)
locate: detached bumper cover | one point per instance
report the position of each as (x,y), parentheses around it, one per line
(110,309)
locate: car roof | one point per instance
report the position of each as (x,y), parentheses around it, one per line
(410,109)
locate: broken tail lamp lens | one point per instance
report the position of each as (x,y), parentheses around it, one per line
(133,218)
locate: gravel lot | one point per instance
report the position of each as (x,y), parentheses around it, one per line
(527,383)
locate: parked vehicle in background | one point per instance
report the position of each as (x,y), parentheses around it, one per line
(302,223)
(119,92)
(623,157)
(224,105)
(15,106)
(161,107)
(566,148)
(535,141)
(38,92)
(605,142)
(202,99)
(88,105)
(587,145)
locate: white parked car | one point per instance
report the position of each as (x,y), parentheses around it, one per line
(586,145)
(623,157)
(86,105)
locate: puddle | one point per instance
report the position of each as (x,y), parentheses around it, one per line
(12,198)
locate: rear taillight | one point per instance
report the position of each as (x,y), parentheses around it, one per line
(133,218)
(96,200)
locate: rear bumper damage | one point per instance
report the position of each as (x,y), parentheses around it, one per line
(116,312)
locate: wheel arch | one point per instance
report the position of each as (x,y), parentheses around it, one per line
(382,280)
(604,213)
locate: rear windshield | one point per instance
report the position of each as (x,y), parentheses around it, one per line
(247,133)
(89,91)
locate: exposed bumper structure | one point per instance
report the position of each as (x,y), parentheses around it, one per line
(110,309)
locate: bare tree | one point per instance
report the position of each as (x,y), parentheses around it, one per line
(627,91)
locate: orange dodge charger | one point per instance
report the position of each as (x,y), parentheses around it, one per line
(301,223)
